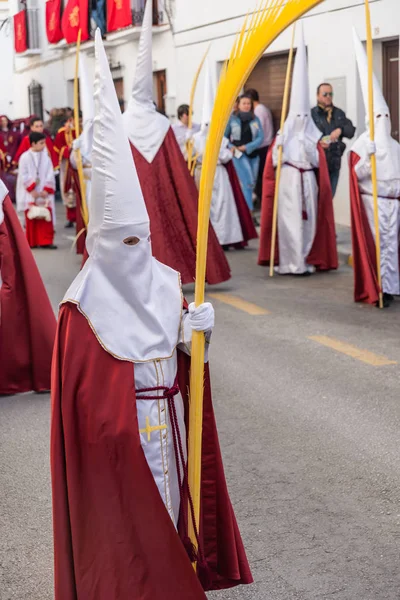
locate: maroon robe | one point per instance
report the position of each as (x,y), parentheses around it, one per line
(366,288)
(171,199)
(28,325)
(323,254)
(113,536)
(246,220)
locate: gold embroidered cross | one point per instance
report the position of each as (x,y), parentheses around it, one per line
(150,428)
(118,4)
(74,17)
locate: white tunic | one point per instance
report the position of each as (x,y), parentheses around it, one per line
(35,167)
(223,214)
(389,219)
(183,134)
(155,425)
(297,192)
(87,172)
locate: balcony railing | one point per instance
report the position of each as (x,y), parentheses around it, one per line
(138,12)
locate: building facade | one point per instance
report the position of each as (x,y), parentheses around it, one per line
(183,29)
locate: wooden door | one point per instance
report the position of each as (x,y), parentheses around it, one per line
(390,53)
(161,89)
(119,88)
(268,78)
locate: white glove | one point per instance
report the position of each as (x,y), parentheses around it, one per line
(76,144)
(279,140)
(371,147)
(201,318)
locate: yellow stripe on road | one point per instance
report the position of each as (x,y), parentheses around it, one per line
(240,304)
(363,355)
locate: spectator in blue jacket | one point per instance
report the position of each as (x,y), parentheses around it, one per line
(246,135)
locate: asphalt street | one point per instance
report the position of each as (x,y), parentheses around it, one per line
(306,391)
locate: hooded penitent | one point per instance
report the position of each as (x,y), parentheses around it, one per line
(306,230)
(145,127)
(224,214)
(122,288)
(361,195)
(169,191)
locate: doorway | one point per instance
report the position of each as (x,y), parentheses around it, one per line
(390,56)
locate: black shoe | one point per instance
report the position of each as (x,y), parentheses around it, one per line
(388,297)
(225,247)
(386,302)
(256,222)
(49,247)
(69,225)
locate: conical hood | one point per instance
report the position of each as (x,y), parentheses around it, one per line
(87,105)
(85,89)
(132,302)
(209,94)
(116,196)
(142,90)
(144,126)
(300,95)
(380,104)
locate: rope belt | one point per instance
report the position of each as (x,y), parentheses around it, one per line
(303,198)
(169,395)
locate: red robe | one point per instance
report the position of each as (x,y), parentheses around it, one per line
(246,220)
(28,325)
(113,537)
(366,287)
(25,145)
(323,254)
(63,146)
(171,198)
(11,140)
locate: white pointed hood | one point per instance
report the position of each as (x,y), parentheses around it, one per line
(299,123)
(387,149)
(131,301)
(144,126)
(3,194)
(87,106)
(210,86)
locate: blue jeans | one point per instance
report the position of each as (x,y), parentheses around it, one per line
(247,171)
(334,177)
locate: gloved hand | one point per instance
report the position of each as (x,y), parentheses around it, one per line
(279,140)
(371,147)
(201,318)
(76,144)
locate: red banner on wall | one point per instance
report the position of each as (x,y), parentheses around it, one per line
(53,21)
(75,17)
(20,38)
(119,14)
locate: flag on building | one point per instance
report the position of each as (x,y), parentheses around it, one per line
(20,38)
(75,18)
(119,14)
(53,21)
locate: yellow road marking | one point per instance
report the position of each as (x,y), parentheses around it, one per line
(364,355)
(247,307)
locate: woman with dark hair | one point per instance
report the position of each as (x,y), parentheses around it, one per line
(245,133)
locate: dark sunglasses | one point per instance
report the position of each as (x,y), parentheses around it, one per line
(325,94)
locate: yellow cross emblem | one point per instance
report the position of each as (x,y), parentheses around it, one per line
(118,4)
(150,428)
(52,23)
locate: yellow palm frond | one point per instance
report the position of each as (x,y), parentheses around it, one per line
(259,30)
(189,143)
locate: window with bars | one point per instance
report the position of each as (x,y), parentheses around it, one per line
(137,7)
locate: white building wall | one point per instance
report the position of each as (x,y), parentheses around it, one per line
(328,33)
(6,62)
